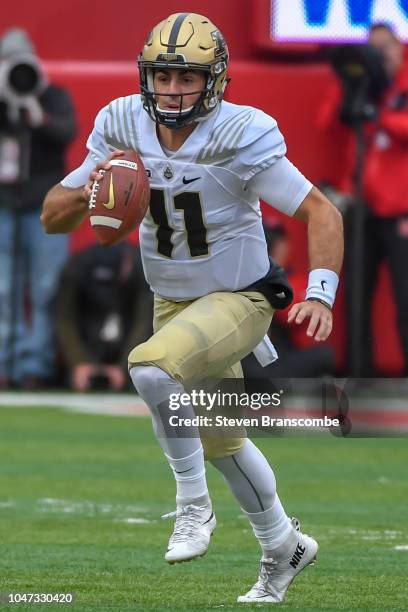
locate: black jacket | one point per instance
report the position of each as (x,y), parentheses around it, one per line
(96,284)
(47,148)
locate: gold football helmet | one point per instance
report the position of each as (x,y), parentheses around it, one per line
(184,41)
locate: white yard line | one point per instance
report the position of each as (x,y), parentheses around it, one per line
(135,521)
(119,512)
(113,404)
(50,504)
(369,534)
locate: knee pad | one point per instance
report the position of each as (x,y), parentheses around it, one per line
(150,352)
(143,377)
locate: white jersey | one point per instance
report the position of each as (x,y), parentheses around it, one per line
(203,231)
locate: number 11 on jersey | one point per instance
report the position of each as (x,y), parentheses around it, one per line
(190,203)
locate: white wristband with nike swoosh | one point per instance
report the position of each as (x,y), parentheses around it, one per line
(322,285)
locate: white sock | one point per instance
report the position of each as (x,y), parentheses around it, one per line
(189,473)
(182,446)
(272,527)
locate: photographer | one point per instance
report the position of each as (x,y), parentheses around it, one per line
(36,124)
(104,307)
(385,189)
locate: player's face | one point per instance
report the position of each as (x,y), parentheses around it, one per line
(174,87)
(390,47)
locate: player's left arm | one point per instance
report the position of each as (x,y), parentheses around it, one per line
(285,188)
(325,242)
(269,175)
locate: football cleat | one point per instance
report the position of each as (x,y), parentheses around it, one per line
(276,574)
(191,535)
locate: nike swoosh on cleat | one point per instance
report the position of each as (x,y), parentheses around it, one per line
(212,514)
(187,181)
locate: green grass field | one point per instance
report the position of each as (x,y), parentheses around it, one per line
(81,498)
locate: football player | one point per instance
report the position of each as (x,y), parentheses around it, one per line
(205,257)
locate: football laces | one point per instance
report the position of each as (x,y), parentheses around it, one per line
(94,191)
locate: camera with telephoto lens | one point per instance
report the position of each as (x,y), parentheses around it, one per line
(20,78)
(364,79)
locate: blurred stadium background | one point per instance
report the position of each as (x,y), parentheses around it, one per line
(78,501)
(91,50)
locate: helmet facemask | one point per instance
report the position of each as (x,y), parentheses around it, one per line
(204,106)
(184,41)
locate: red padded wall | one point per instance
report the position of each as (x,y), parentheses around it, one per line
(105,30)
(96,31)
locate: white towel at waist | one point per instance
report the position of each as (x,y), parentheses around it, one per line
(265,352)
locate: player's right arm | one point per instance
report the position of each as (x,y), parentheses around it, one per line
(66,204)
(64,207)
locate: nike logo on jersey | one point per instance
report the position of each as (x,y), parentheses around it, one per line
(187,181)
(323,283)
(111,203)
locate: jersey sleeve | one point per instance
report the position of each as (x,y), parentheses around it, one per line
(80,176)
(96,143)
(281,185)
(261,145)
(98,150)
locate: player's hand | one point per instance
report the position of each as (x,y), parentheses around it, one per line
(321,318)
(116,377)
(81,376)
(96,175)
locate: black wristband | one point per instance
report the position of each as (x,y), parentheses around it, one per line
(314,299)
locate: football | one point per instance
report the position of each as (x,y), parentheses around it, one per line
(119,201)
